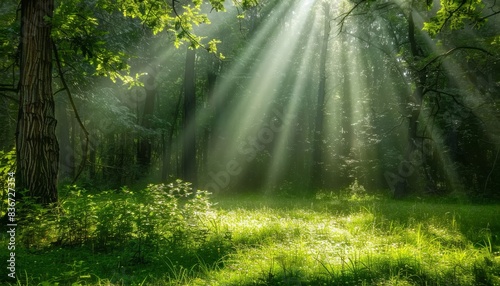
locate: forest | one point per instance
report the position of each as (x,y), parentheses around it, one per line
(250,142)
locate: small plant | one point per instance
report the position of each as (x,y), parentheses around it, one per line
(357,191)
(78,219)
(39,223)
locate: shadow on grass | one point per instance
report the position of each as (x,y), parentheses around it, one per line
(84,265)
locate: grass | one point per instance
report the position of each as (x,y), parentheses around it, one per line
(333,240)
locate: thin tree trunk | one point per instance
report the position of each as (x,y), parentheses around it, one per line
(210,108)
(37,147)
(66,158)
(404,187)
(167,143)
(189,170)
(347,132)
(318,164)
(144,144)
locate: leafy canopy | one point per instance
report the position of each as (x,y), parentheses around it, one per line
(94,30)
(455,14)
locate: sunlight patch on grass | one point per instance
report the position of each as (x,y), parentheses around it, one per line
(361,247)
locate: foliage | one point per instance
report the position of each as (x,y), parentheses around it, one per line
(455,15)
(169,216)
(254,240)
(39,222)
(7,165)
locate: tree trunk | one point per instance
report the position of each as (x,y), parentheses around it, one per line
(317,168)
(189,121)
(144,145)
(347,131)
(37,147)
(414,140)
(419,83)
(208,124)
(66,154)
(167,142)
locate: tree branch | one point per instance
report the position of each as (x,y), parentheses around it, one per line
(7,88)
(490,15)
(453,96)
(188,33)
(451,14)
(396,126)
(452,51)
(78,119)
(347,14)
(9,97)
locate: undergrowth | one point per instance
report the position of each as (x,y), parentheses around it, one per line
(174,235)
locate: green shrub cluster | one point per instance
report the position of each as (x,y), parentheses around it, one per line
(158,218)
(7,165)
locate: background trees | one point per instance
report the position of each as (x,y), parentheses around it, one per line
(297,95)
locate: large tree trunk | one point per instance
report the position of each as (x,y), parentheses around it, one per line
(189,121)
(318,164)
(37,147)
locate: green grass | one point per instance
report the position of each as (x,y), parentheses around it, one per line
(257,240)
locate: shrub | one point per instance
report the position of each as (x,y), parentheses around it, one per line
(161,216)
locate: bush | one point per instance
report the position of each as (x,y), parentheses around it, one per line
(167,226)
(161,216)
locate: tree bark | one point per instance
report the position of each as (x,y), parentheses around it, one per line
(37,147)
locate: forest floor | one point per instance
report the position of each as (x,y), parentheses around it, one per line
(259,240)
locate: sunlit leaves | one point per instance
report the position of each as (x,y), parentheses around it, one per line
(246,4)
(496,41)
(157,15)
(218,5)
(455,14)
(212,47)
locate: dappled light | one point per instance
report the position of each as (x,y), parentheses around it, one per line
(250,142)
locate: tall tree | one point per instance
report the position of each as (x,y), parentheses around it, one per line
(37,147)
(317,168)
(189,169)
(144,144)
(346,120)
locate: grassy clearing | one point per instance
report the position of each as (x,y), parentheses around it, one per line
(360,242)
(256,240)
